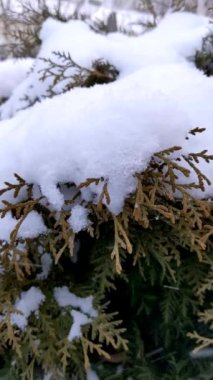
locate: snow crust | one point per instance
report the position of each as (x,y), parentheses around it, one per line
(108,131)
(28,303)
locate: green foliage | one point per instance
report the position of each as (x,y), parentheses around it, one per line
(204,57)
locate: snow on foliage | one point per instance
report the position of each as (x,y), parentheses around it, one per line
(107,131)
(31,227)
(176,38)
(67,299)
(28,303)
(79,319)
(91,375)
(46,263)
(78,219)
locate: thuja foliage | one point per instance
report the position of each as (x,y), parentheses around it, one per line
(204,57)
(22,28)
(100,72)
(149,270)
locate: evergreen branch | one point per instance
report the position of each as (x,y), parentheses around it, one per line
(65,70)
(120,240)
(202,342)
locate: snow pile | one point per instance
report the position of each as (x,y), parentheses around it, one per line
(28,303)
(82,316)
(176,38)
(108,131)
(191,91)
(105,131)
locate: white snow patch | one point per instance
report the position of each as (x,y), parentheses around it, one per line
(92,375)
(79,218)
(28,303)
(191,91)
(105,131)
(47,376)
(79,319)
(177,37)
(12,73)
(46,263)
(31,227)
(65,298)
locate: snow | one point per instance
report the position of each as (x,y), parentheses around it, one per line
(18,6)
(79,218)
(28,303)
(133,22)
(31,227)
(65,298)
(203,353)
(178,79)
(47,377)
(91,375)
(12,73)
(183,31)
(108,131)
(80,317)
(46,263)
(177,37)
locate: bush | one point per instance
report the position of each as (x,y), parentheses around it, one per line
(126,295)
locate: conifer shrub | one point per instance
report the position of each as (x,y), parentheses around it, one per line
(204,57)
(21,29)
(148,269)
(145,273)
